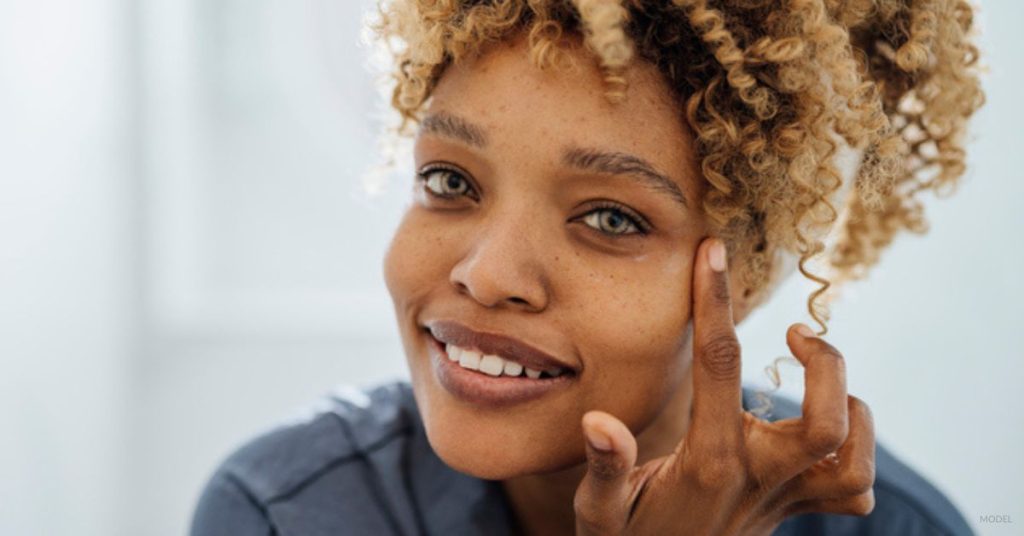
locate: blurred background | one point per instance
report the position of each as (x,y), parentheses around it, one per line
(187,257)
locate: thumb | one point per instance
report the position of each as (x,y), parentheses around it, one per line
(601,501)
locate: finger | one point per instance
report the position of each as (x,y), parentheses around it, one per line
(824,412)
(857,505)
(716,427)
(788,447)
(853,474)
(602,498)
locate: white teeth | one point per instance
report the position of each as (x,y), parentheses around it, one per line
(470,359)
(513,369)
(492,364)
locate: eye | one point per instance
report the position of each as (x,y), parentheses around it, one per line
(445,182)
(614,219)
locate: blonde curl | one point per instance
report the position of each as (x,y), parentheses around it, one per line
(770,92)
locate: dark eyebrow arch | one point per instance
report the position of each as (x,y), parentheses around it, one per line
(455,127)
(609,162)
(618,163)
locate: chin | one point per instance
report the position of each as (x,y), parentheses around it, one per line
(499,457)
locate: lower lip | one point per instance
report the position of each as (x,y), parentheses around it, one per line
(484,390)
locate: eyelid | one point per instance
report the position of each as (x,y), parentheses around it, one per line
(639,221)
(644,227)
(434,166)
(426,169)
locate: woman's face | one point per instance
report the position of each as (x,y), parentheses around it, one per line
(570,224)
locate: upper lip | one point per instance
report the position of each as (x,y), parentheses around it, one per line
(504,346)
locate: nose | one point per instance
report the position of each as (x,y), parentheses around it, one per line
(503,267)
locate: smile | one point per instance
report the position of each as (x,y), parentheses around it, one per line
(475,378)
(495,365)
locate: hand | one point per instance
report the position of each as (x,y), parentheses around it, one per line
(733,473)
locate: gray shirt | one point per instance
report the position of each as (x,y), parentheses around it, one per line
(359,463)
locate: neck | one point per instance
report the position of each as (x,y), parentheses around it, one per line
(543,503)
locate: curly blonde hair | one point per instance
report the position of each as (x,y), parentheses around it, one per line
(770,91)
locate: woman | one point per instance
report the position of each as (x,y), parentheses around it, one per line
(603,191)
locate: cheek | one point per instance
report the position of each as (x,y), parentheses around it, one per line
(634,327)
(641,330)
(643,304)
(412,264)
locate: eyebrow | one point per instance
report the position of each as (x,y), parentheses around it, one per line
(448,125)
(618,163)
(594,160)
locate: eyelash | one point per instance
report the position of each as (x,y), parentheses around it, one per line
(635,219)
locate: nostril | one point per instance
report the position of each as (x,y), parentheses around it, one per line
(462,287)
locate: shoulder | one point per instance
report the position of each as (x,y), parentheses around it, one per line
(340,426)
(905,503)
(326,447)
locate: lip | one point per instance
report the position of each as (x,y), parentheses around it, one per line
(504,346)
(488,391)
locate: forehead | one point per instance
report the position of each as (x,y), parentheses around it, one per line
(533,113)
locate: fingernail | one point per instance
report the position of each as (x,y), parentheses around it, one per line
(599,441)
(716,255)
(804,331)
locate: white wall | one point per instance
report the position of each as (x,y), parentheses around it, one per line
(66,266)
(262,256)
(184,260)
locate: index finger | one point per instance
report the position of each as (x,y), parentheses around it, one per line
(717,393)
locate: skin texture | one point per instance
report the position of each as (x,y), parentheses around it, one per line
(733,474)
(772,91)
(515,254)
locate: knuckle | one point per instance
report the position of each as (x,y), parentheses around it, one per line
(861,409)
(825,437)
(580,504)
(720,357)
(833,353)
(587,515)
(604,468)
(720,289)
(861,422)
(858,479)
(861,505)
(825,351)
